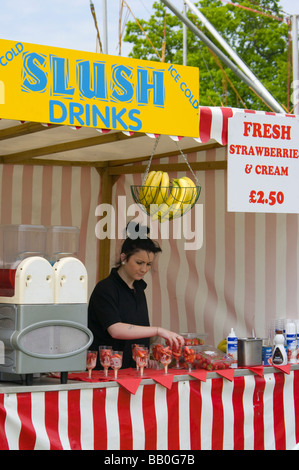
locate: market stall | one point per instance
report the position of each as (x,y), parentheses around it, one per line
(231,269)
(257,412)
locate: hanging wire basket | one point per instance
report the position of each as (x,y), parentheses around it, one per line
(170,201)
(165,202)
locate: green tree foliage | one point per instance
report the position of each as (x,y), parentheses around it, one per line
(260,40)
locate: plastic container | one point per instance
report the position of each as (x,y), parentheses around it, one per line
(267,352)
(232,347)
(285,322)
(297,336)
(154,362)
(61,242)
(189,356)
(291,342)
(194,339)
(18,242)
(279,356)
(279,325)
(210,358)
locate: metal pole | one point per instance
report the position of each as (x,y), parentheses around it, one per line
(184,36)
(266,96)
(105,30)
(295,64)
(227,47)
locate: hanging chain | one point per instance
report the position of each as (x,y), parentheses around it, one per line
(185,158)
(153,153)
(150,160)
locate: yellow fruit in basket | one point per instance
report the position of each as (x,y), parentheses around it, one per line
(194,189)
(179,206)
(222,345)
(175,210)
(157,178)
(155,191)
(188,190)
(163,208)
(175,195)
(162,193)
(149,188)
(145,187)
(172,205)
(153,188)
(189,180)
(149,178)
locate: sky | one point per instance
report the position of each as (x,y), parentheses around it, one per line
(69,23)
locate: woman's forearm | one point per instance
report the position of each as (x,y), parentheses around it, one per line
(128,331)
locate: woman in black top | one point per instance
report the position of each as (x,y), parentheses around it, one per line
(117,311)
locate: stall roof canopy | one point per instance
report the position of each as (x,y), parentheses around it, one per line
(35,143)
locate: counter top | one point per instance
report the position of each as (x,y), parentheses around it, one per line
(46,383)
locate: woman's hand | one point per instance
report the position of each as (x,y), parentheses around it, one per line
(172,338)
(127,331)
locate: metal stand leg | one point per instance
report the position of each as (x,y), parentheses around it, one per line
(29,379)
(63,377)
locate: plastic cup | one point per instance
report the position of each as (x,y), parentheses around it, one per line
(105,358)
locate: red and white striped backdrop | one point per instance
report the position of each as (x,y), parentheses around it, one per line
(244,276)
(53,195)
(248,413)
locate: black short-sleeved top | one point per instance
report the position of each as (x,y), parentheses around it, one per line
(113,301)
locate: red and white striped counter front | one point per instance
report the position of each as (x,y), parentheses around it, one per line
(248,411)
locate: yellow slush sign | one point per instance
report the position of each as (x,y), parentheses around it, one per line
(62,86)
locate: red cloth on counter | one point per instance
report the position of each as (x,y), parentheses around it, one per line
(130,378)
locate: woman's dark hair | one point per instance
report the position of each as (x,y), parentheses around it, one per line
(138,240)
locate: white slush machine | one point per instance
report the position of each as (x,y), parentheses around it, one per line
(43,302)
